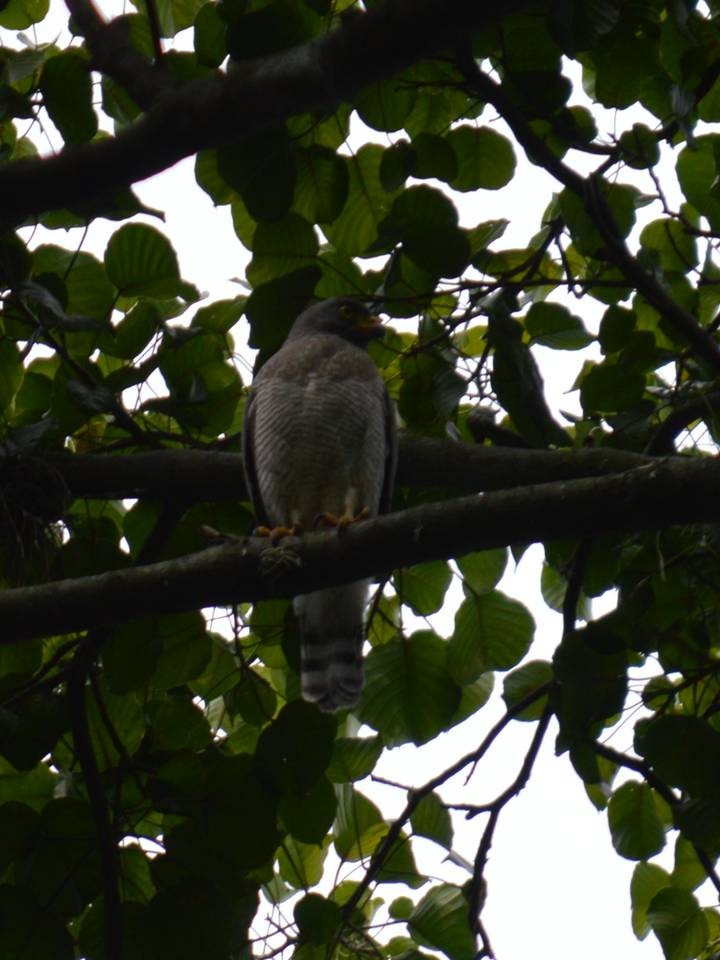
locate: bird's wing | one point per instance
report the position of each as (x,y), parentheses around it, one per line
(248,452)
(391,452)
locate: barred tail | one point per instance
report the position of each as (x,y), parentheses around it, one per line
(331,639)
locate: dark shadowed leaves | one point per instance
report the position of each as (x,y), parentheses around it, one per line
(635,824)
(67,94)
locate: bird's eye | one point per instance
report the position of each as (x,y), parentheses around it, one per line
(347,312)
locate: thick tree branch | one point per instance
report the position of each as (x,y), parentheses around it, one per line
(220,109)
(664,493)
(196,475)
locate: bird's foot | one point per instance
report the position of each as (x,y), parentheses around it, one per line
(341,523)
(275,534)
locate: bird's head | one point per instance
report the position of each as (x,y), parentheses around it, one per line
(341,316)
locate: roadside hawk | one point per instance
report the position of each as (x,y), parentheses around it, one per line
(320,447)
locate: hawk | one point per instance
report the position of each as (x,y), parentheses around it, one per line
(320,447)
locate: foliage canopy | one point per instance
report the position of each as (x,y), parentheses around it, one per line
(157,767)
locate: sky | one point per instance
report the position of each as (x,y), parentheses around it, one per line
(556,887)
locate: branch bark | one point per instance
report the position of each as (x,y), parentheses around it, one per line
(665,492)
(193,476)
(223,108)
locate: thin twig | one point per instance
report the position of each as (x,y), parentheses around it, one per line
(477,885)
(384,848)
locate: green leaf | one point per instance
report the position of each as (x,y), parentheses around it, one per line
(426,222)
(621,201)
(92,939)
(492,632)
(609,388)
(639,147)
(353,758)
(664,740)
(322,184)
(11,373)
(554,326)
(130,655)
(221,316)
(409,694)
(440,920)
(272,307)
(309,814)
(553,586)
(688,873)
(89,291)
(124,713)
(386,105)
(67,93)
(140,261)
(482,571)
(209,36)
(208,177)
(647,880)
(262,170)
(424,586)
(280,248)
(191,918)
(679,923)
(399,865)
(524,681)
(185,649)
(486,159)
(295,749)
(431,819)
(474,696)
(697,173)
(356,227)
(29,928)
(21,14)
(433,158)
(676,249)
(616,327)
(635,825)
(301,864)
(178,724)
(317,919)
(359,825)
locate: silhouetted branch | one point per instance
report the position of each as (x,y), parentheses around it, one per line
(391,837)
(196,475)
(225,108)
(477,885)
(666,492)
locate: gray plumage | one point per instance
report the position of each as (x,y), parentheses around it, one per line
(319,437)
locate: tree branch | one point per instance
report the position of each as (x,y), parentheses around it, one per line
(218,109)
(476,891)
(391,837)
(667,492)
(198,475)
